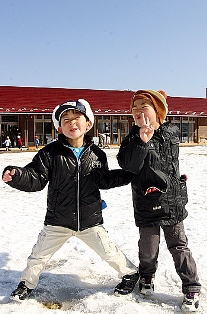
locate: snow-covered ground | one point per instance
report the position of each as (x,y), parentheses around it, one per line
(76,279)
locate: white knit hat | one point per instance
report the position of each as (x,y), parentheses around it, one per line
(80,105)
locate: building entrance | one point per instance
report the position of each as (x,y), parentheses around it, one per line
(9,126)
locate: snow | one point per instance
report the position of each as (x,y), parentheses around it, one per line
(76,278)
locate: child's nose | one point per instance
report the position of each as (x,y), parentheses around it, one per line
(71,121)
(138,111)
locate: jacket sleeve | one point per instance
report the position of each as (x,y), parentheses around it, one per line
(34,176)
(114,178)
(132,152)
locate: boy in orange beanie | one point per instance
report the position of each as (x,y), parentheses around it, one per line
(150,152)
(158,99)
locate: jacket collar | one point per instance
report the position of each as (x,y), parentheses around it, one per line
(87,140)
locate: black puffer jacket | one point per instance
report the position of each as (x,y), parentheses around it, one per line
(155,164)
(73,191)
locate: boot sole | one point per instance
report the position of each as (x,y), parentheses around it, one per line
(16,298)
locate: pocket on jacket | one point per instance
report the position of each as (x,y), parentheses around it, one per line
(155,200)
(153,206)
(153,197)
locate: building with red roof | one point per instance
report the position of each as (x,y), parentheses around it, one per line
(28,110)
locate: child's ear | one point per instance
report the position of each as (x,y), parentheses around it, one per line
(60,129)
(89,125)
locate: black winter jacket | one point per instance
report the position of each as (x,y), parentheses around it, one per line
(73,199)
(155,164)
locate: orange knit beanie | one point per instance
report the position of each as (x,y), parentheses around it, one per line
(157,98)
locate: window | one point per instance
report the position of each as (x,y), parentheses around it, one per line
(115,130)
(124,127)
(187,130)
(39,117)
(104,124)
(43,128)
(9,118)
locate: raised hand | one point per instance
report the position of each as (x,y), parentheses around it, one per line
(146,130)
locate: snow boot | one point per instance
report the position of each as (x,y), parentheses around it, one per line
(21,292)
(146,286)
(127,284)
(190,302)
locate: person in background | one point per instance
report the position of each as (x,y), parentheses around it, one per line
(76,169)
(107,143)
(101,140)
(151,152)
(11,134)
(7,143)
(19,141)
(36,142)
(40,140)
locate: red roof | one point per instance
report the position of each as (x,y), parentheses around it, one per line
(103,102)
(187,106)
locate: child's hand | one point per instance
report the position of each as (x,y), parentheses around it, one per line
(146,131)
(7,176)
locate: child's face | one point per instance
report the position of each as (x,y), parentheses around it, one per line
(74,124)
(144,107)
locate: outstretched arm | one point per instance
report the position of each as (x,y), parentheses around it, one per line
(31,178)
(114,178)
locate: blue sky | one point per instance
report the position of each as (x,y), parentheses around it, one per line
(105,44)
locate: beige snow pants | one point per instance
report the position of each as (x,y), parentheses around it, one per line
(51,238)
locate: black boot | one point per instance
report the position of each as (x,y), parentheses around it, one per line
(21,292)
(190,302)
(127,285)
(146,285)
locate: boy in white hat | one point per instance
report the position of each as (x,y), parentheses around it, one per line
(150,152)
(76,169)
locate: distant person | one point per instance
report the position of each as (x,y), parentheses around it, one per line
(101,140)
(36,142)
(3,137)
(19,141)
(11,134)
(7,143)
(150,152)
(40,140)
(76,169)
(107,143)
(45,140)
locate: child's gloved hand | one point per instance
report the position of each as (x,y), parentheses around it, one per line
(183,177)
(152,189)
(8,174)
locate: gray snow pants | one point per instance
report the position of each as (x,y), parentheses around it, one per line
(177,244)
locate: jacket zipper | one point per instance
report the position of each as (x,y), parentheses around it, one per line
(78,189)
(78,194)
